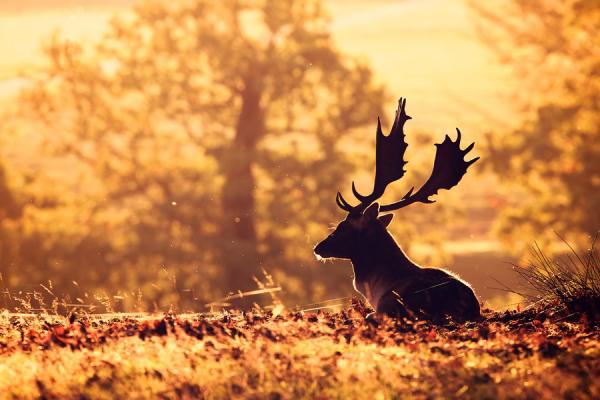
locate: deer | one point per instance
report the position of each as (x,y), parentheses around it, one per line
(387,279)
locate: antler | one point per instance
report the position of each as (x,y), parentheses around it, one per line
(448,168)
(389,161)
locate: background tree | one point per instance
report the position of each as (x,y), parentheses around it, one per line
(10,209)
(165,121)
(554,157)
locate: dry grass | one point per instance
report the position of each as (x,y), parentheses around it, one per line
(298,355)
(572,280)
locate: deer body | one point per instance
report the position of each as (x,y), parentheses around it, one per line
(383,274)
(392,283)
(380,266)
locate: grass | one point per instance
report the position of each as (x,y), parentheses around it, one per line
(298,355)
(572,281)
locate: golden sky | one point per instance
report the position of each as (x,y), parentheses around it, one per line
(425,50)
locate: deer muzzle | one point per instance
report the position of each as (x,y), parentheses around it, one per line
(320,250)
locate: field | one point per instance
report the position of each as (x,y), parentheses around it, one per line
(537,353)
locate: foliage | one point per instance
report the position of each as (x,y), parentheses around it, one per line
(298,355)
(554,156)
(198,142)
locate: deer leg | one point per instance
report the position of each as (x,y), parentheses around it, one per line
(392,305)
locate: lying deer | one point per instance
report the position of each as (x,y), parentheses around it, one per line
(383,274)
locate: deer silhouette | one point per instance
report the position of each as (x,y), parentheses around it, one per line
(392,283)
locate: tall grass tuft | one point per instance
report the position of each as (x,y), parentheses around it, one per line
(573,280)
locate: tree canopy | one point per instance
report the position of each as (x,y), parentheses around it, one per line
(165,121)
(554,156)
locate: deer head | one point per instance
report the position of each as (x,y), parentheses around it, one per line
(363,219)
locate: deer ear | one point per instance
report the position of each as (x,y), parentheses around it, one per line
(372,212)
(386,219)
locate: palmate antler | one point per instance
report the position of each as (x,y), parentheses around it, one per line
(448,168)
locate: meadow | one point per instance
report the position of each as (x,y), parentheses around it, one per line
(538,353)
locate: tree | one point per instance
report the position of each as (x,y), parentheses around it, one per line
(203,131)
(9,209)
(555,155)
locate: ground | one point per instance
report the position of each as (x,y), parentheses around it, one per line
(531,354)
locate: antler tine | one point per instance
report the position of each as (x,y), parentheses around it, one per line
(448,169)
(342,203)
(407,195)
(378,134)
(389,161)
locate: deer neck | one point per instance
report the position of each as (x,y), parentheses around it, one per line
(381,257)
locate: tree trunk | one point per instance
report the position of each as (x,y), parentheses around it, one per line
(9,209)
(240,259)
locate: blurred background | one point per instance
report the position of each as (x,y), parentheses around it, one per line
(163,154)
